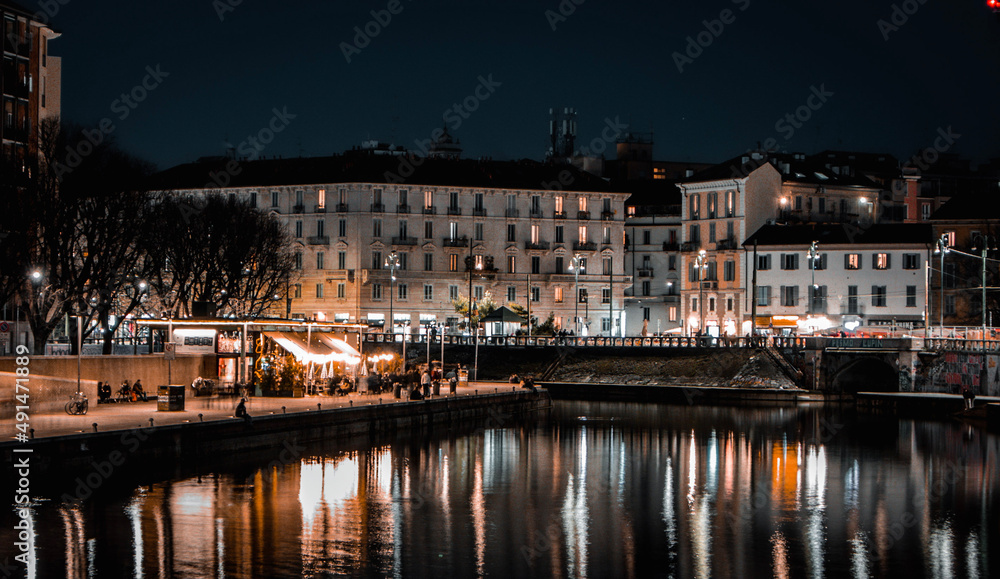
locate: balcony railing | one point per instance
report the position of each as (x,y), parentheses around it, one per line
(607,215)
(559,215)
(318,240)
(584,215)
(671,246)
(513,213)
(535,214)
(404,240)
(646,272)
(298,208)
(690,246)
(378,208)
(342,208)
(584,246)
(430,210)
(479,212)
(319,209)
(728,243)
(537,245)
(456,242)
(402,208)
(454,211)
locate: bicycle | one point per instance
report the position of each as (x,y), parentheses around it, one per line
(77,404)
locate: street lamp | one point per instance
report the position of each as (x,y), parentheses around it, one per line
(984,245)
(392,262)
(942,248)
(700,265)
(576,265)
(812,255)
(472,265)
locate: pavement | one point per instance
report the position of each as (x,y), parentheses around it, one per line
(129,415)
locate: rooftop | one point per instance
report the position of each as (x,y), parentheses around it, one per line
(361,167)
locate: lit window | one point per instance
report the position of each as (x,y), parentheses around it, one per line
(852,261)
(880,261)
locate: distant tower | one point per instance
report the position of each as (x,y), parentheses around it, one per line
(562,133)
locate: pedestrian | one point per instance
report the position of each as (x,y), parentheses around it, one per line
(969,396)
(241,411)
(425,382)
(137,392)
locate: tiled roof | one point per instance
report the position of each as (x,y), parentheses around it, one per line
(367,168)
(842,234)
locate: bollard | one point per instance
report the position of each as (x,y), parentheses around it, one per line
(282,409)
(150,422)
(95,427)
(31,432)
(476,391)
(513,388)
(496,390)
(350,403)
(380,400)
(201,417)
(319,406)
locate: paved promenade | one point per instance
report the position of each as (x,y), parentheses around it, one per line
(124,416)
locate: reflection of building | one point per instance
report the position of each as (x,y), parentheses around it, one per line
(30,80)
(521,222)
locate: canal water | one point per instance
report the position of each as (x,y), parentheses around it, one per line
(585,490)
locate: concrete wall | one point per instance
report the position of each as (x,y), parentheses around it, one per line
(53,378)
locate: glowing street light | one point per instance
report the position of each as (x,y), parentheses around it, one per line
(700,265)
(942,248)
(392,262)
(813,255)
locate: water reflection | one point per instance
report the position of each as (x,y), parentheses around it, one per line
(595,490)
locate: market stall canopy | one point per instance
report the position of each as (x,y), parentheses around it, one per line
(503,314)
(322,348)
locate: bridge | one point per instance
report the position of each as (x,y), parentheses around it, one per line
(837,365)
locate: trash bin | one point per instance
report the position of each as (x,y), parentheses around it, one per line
(463,377)
(170,398)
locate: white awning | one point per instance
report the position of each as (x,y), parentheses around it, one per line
(323,347)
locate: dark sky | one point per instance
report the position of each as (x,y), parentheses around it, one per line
(608,59)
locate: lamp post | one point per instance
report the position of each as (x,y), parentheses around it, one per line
(392,262)
(700,265)
(983,244)
(473,266)
(812,255)
(942,248)
(576,265)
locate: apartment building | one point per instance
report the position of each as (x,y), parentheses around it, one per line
(30,80)
(504,230)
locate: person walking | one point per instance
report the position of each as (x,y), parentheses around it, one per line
(425,382)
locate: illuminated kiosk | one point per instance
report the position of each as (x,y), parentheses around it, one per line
(233,348)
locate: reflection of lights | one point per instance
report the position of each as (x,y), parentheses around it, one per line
(973,554)
(133,510)
(860,558)
(851,484)
(576,514)
(479,518)
(73,532)
(669,517)
(942,549)
(779,553)
(340,481)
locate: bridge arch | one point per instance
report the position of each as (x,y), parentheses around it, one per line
(866,375)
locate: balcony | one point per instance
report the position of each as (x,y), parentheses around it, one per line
(584,246)
(430,210)
(646,272)
(513,213)
(298,208)
(454,211)
(402,208)
(455,242)
(607,215)
(535,214)
(378,208)
(542,245)
(690,246)
(342,208)
(729,243)
(404,240)
(318,240)
(479,212)
(319,209)
(559,215)
(671,246)
(583,215)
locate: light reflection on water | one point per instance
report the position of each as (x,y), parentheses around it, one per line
(658,491)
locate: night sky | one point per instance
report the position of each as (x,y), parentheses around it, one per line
(939,68)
